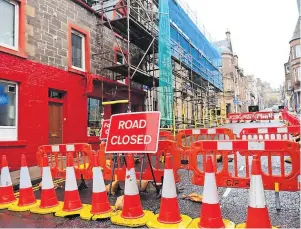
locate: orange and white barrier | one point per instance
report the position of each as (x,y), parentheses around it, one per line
(72,202)
(7,196)
(100,208)
(211,216)
(49,202)
(169,215)
(27,199)
(234,178)
(132,213)
(257,205)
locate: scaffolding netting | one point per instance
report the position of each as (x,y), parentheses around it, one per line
(166,92)
(190,46)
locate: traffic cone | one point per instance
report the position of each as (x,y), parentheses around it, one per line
(7,196)
(169,215)
(49,202)
(132,213)
(72,203)
(100,208)
(27,200)
(257,205)
(211,216)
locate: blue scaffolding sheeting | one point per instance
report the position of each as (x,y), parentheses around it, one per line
(191,47)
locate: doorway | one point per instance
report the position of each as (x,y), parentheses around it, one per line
(55,114)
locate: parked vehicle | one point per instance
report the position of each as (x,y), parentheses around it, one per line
(275,109)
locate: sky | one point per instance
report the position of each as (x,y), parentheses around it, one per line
(260,32)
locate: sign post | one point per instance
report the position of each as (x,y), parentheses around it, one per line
(134,133)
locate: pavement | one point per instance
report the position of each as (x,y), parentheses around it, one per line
(233,201)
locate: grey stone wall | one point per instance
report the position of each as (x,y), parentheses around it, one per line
(47,33)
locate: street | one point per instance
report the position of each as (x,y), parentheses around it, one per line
(234,202)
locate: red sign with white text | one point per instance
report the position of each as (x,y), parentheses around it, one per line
(104,129)
(134,133)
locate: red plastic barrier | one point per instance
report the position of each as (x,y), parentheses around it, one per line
(264,115)
(165,146)
(251,116)
(82,153)
(238,176)
(185,138)
(266,133)
(234,117)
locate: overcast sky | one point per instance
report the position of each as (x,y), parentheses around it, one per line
(260,32)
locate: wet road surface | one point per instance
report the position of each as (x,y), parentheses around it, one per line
(234,202)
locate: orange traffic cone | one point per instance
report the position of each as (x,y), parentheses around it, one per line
(169,215)
(27,200)
(7,196)
(49,202)
(257,205)
(72,203)
(211,216)
(100,208)
(132,213)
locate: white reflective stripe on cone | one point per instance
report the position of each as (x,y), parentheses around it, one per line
(210,195)
(131,188)
(47,182)
(25,181)
(169,186)
(71,183)
(98,182)
(5,178)
(256,193)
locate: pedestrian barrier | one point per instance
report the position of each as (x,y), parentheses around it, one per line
(251,116)
(166,135)
(114,164)
(82,157)
(185,139)
(243,148)
(266,133)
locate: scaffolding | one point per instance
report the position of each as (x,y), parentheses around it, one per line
(134,25)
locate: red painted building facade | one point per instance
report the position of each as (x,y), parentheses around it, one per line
(45,102)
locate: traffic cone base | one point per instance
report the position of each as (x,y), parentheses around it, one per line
(17,208)
(43,211)
(154,223)
(62,213)
(87,215)
(7,205)
(243,225)
(138,222)
(196,222)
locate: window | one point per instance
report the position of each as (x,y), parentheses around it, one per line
(9,13)
(297,51)
(94,116)
(119,58)
(8,110)
(55,94)
(289,85)
(297,73)
(78,50)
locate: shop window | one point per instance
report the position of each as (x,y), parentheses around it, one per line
(8,110)
(94,116)
(9,13)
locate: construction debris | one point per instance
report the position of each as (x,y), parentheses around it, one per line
(193,197)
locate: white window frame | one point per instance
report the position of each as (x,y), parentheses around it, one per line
(83,50)
(4,130)
(16,35)
(123,61)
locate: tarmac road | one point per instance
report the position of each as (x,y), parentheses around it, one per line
(234,202)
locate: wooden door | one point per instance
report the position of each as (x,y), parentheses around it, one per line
(55,123)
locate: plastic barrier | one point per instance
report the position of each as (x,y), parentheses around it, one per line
(116,162)
(239,178)
(57,154)
(251,116)
(271,133)
(166,135)
(185,139)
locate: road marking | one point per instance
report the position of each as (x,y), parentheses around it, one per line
(228,190)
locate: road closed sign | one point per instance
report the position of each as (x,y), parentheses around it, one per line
(105,129)
(134,133)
